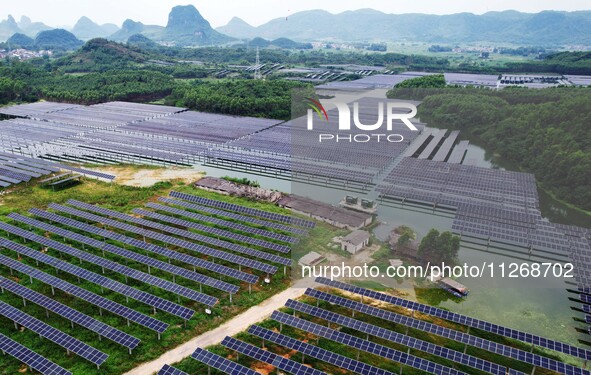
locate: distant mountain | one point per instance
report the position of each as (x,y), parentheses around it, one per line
(131,27)
(187,27)
(284,43)
(31,28)
(142,42)
(19,40)
(8,28)
(57,39)
(239,29)
(544,28)
(86,29)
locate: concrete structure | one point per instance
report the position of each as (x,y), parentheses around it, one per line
(336,216)
(355,241)
(311,259)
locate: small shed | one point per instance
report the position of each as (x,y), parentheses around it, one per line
(311,259)
(355,241)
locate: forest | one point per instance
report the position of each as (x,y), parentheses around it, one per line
(545,132)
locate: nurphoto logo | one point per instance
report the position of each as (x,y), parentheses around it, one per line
(393,111)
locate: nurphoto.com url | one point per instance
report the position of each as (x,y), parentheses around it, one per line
(434,272)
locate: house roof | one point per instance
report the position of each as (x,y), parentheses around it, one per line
(357,237)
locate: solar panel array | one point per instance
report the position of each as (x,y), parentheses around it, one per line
(64,340)
(169,370)
(30,358)
(228,224)
(231,215)
(398,338)
(245,210)
(103,281)
(116,267)
(247,262)
(92,298)
(278,361)
(224,365)
(464,338)
(175,270)
(317,352)
(462,319)
(105,263)
(239,275)
(69,313)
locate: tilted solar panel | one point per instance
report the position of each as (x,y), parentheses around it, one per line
(30,358)
(224,365)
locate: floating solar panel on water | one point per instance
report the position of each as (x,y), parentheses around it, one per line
(169,370)
(215,283)
(241,218)
(30,358)
(85,295)
(102,281)
(317,352)
(364,345)
(247,262)
(205,239)
(462,319)
(220,363)
(224,223)
(246,210)
(163,238)
(69,313)
(464,338)
(53,334)
(102,262)
(398,338)
(276,360)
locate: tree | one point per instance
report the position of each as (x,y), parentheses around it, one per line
(438,247)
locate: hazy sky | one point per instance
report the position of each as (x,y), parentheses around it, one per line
(255,12)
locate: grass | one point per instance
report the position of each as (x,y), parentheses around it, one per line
(124,199)
(191,366)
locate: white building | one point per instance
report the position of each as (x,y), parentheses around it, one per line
(355,241)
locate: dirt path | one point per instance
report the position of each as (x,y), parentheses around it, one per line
(132,176)
(233,326)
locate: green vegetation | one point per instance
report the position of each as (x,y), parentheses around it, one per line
(242,181)
(191,366)
(57,39)
(545,132)
(124,199)
(406,235)
(270,99)
(438,247)
(429,81)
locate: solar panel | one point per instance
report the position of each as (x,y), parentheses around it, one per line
(53,334)
(224,365)
(205,239)
(464,338)
(278,361)
(246,210)
(151,262)
(102,281)
(85,295)
(224,223)
(169,370)
(364,345)
(30,358)
(102,262)
(178,242)
(69,313)
(179,232)
(462,319)
(317,352)
(195,262)
(231,215)
(398,338)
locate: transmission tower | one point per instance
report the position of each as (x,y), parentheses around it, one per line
(257,70)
